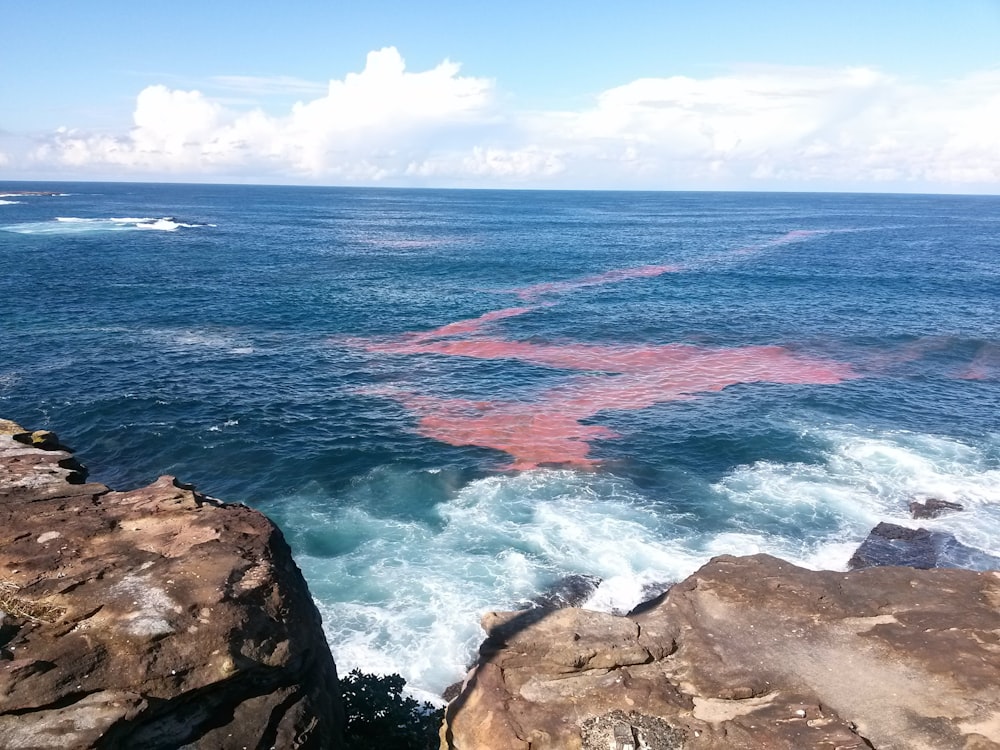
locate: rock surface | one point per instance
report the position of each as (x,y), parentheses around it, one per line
(889,544)
(748,653)
(156,618)
(933,507)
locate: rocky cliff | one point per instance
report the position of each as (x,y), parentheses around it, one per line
(156,618)
(748,653)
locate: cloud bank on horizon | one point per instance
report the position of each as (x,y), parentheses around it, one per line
(765,127)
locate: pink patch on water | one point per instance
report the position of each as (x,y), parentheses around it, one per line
(609,277)
(549,429)
(532,433)
(472,325)
(984,366)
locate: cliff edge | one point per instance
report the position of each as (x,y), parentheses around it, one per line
(156,618)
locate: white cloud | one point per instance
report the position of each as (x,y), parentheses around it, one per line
(359,123)
(761,127)
(803,126)
(490,162)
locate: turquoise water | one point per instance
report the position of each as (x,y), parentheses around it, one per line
(451,399)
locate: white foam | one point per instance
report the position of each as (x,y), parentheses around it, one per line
(869,477)
(33,195)
(9,203)
(201,339)
(405,594)
(77,225)
(220,427)
(408,598)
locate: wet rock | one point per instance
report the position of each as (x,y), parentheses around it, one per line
(933,507)
(889,544)
(156,618)
(452,691)
(570,591)
(747,653)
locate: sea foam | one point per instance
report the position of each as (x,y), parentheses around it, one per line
(406,594)
(80,225)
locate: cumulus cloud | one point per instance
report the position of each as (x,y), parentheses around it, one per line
(358,127)
(854,125)
(751,128)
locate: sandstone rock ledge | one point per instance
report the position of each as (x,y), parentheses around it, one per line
(156,618)
(748,653)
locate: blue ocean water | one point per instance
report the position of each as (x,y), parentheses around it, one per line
(449,400)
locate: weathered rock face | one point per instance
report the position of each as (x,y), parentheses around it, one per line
(748,653)
(157,618)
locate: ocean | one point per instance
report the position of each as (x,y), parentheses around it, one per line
(452,400)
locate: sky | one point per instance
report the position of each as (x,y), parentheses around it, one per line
(874,95)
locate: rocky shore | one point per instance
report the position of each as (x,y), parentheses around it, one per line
(748,652)
(163,618)
(156,618)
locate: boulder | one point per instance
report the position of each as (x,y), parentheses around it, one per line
(569,591)
(748,652)
(889,544)
(933,507)
(154,618)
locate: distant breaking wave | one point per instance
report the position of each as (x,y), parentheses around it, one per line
(78,225)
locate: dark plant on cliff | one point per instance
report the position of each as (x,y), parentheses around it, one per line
(379,715)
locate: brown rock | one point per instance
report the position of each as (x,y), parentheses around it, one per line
(748,653)
(156,618)
(933,507)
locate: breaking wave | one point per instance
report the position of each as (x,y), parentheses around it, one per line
(405,593)
(78,225)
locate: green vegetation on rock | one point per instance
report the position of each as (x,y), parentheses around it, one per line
(378,715)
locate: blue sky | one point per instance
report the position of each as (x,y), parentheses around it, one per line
(662,95)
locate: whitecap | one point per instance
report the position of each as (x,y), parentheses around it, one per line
(221,427)
(201,339)
(77,225)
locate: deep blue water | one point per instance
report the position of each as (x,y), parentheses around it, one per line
(255,343)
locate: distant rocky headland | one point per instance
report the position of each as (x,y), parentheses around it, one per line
(163,618)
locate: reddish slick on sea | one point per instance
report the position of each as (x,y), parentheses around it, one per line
(549,428)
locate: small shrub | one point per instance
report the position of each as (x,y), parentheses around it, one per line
(378,715)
